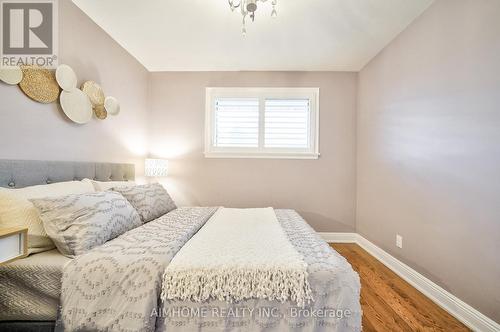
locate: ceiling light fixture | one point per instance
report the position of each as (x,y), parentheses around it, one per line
(248,8)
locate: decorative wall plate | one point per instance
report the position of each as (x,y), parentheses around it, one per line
(94,91)
(66,77)
(11,75)
(112,105)
(100,112)
(76,105)
(39,84)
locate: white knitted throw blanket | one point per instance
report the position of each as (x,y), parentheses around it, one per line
(239,254)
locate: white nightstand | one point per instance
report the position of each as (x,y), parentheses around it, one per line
(13,244)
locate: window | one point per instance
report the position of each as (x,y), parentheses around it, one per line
(262,123)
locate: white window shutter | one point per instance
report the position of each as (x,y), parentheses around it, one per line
(287,123)
(236,122)
(262,123)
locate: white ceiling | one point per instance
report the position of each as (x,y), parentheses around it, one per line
(204,35)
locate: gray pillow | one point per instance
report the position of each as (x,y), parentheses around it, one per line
(78,223)
(150,200)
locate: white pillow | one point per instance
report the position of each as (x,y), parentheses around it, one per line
(105,186)
(17,211)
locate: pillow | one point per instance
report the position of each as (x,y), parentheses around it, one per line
(104,186)
(150,200)
(78,223)
(17,211)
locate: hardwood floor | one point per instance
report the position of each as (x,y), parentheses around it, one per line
(391,304)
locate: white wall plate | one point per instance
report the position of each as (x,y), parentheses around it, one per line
(66,77)
(11,75)
(112,105)
(76,105)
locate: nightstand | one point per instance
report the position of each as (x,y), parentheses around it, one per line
(13,244)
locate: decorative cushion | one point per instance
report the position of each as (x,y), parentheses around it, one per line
(17,211)
(150,200)
(104,186)
(78,223)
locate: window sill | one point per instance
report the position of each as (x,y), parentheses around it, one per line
(233,155)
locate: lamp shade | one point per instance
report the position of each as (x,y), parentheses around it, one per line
(156,167)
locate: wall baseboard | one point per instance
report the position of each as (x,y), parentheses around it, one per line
(449,302)
(340,237)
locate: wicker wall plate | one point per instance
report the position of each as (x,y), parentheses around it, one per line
(94,91)
(100,112)
(39,84)
(66,77)
(11,75)
(76,105)
(112,105)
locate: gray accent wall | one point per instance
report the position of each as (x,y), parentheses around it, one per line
(34,131)
(429,149)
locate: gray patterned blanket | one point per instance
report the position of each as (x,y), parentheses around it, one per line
(116,287)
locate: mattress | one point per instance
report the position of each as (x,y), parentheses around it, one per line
(30,287)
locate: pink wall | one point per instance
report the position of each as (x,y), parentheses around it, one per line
(429,149)
(30,130)
(322,190)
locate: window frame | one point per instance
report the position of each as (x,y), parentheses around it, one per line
(212,93)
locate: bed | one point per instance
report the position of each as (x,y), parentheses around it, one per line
(30,288)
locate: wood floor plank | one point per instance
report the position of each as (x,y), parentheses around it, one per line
(405,306)
(391,304)
(412,300)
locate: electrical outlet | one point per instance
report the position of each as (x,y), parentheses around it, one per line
(399,241)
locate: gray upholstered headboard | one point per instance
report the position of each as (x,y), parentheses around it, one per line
(23,173)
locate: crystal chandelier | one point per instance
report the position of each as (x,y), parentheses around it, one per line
(248,8)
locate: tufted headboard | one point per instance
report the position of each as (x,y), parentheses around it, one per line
(24,173)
